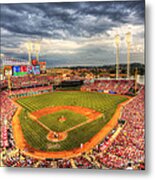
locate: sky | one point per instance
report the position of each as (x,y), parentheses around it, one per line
(75,33)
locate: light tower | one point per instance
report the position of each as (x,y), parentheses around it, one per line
(136,73)
(117,43)
(29,49)
(128,42)
(37,50)
(9,84)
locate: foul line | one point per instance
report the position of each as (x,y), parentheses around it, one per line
(22,144)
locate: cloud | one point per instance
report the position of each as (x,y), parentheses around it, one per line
(78,30)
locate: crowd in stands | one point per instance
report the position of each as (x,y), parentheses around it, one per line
(7,107)
(112,86)
(30,81)
(6,113)
(128,148)
(31,91)
(125,151)
(3,84)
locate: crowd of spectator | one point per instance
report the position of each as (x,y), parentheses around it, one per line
(31,91)
(128,148)
(125,151)
(3,84)
(30,81)
(110,86)
(7,111)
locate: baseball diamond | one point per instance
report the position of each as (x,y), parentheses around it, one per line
(85,114)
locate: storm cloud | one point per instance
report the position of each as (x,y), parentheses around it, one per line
(80,32)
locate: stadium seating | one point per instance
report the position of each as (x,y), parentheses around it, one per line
(116,86)
(126,150)
(30,91)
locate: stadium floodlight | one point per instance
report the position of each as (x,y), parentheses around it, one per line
(136,73)
(29,49)
(117,43)
(128,42)
(37,49)
(9,83)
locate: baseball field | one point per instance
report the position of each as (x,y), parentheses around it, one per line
(62,121)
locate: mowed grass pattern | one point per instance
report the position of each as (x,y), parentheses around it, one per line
(104,103)
(52,120)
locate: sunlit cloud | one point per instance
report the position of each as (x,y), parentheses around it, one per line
(73,32)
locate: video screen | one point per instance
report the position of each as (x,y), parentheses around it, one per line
(29,69)
(16,70)
(23,69)
(36,70)
(19,70)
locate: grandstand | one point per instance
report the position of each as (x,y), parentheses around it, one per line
(121,148)
(77,99)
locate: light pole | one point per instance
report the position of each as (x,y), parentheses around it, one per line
(29,49)
(9,84)
(117,43)
(37,50)
(136,73)
(128,42)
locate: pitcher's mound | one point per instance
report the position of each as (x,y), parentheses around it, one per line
(62,119)
(56,136)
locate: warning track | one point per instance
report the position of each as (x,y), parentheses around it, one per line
(22,144)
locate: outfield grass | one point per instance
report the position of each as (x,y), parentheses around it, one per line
(72,119)
(36,135)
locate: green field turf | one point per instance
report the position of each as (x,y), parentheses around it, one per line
(72,119)
(36,135)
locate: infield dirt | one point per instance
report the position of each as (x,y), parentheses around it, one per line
(28,150)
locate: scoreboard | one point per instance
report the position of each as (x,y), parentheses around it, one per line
(19,70)
(29,69)
(36,70)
